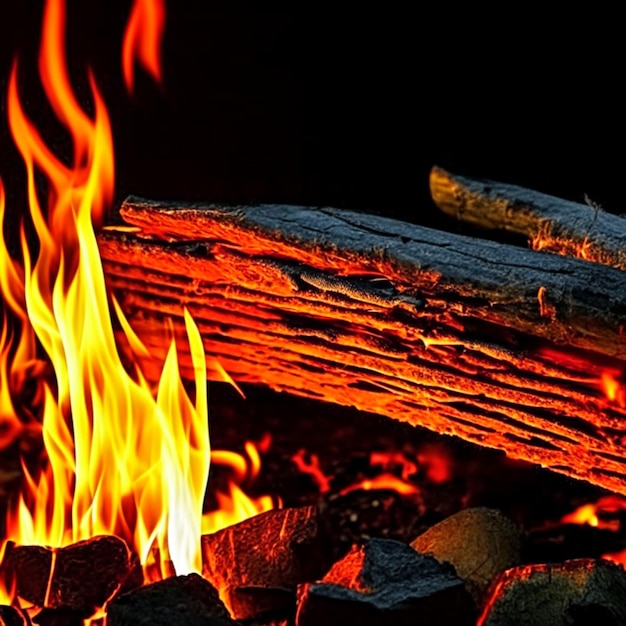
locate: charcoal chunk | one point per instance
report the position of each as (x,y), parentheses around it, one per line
(480,543)
(386,582)
(258,563)
(79,578)
(177,601)
(575,593)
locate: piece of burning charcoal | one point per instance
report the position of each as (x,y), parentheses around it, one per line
(177,601)
(258,563)
(10,616)
(84,575)
(480,543)
(386,582)
(575,593)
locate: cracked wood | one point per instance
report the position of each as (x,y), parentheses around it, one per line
(464,337)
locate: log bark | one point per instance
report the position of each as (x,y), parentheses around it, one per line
(466,338)
(578,230)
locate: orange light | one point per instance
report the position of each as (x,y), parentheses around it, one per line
(383,482)
(310,464)
(142,40)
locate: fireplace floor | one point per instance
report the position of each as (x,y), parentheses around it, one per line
(451,475)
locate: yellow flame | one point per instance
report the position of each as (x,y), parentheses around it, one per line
(119,460)
(142,40)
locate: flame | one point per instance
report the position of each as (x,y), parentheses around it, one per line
(119,459)
(310,464)
(234,505)
(142,40)
(383,482)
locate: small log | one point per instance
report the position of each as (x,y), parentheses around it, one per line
(385,582)
(256,565)
(578,230)
(77,579)
(582,591)
(434,329)
(480,543)
(179,600)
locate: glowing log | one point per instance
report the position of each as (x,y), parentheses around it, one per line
(463,337)
(561,226)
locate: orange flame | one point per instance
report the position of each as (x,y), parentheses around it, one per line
(141,479)
(142,40)
(311,466)
(120,457)
(383,482)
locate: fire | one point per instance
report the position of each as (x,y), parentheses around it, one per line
(142,40)
(120,457)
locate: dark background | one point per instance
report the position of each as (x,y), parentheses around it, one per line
(348,108)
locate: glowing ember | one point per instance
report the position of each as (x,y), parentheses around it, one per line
(383,482)
(142,40)
(310,464)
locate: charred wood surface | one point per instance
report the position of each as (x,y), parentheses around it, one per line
(569,228)
(492,343)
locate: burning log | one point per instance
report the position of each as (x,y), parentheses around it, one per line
(464,337)
(257,564)
(480,543)
(552,224)
(184,600)
(385,582)
(78,579)
(582,591)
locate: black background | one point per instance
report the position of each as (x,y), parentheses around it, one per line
(314,105)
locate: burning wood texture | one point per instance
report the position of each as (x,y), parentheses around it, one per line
(503,346)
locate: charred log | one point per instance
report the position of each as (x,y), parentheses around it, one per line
(468,338)
(552,224)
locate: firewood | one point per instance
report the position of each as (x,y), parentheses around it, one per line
(78,578)
(386,582)
(462,337)
(552,224)
(582,591)
(480,543)
(179,600)
(256,565)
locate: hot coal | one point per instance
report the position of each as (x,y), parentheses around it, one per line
(78,578)
(578,592)
(180,600)
(10,616)
(258,563)
(386,582)
(480,543)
